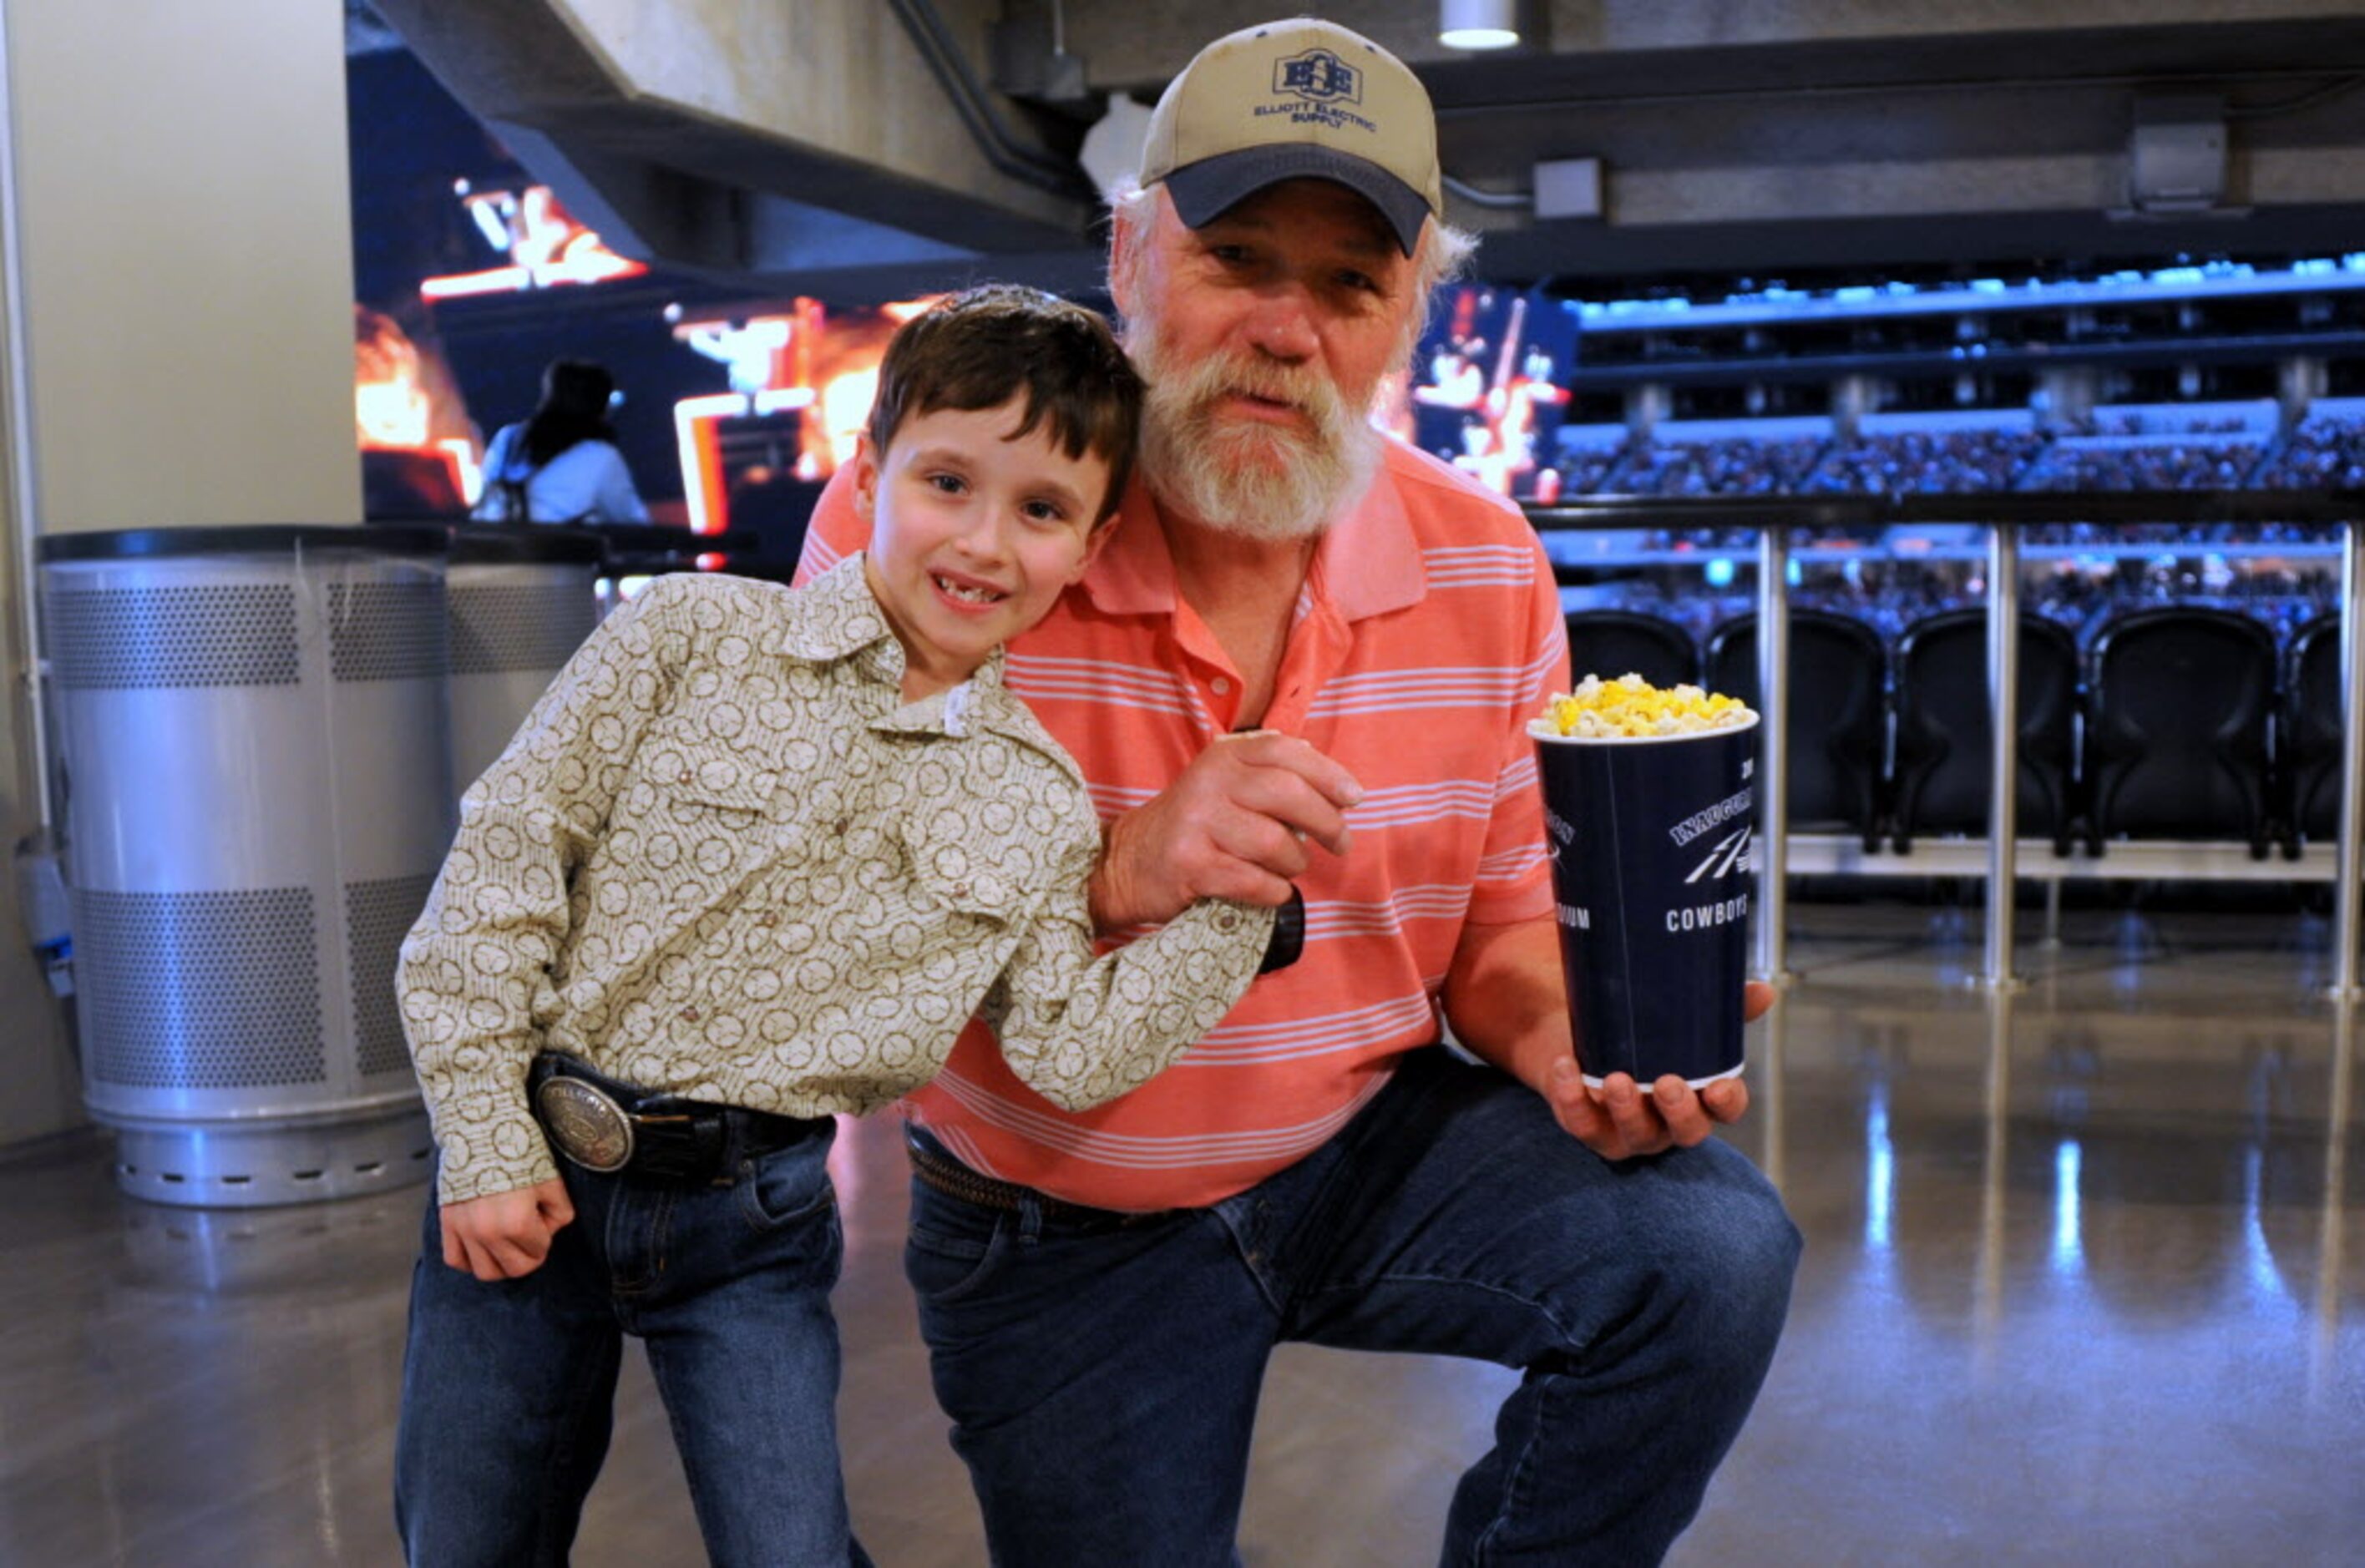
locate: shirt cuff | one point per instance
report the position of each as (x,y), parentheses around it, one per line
(500,1152)
(1237,936)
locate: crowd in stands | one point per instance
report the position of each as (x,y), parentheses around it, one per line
(1953,462)
(2322,452)
(2200,466)
(2116,450)
(1721,468)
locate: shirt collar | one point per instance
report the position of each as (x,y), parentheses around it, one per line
(1367,563)
(835,617)
(984,704)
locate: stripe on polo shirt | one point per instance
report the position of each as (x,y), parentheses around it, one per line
(1113,799)
(1342,917)
(1511,865)
(1233,1045)
(1040,677)
(1491,690)
(1481,566)
(963,1148)
(1135,1152)
(1420,803)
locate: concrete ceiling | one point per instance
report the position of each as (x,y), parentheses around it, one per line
(870,147)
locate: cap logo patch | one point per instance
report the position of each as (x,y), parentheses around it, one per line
(1319,76)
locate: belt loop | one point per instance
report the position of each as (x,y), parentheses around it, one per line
(730,1134)
(1030,1217)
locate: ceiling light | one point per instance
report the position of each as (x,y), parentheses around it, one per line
(1479,24)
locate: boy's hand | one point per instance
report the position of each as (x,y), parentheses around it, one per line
(505,1235)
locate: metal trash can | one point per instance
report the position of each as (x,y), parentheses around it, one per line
(519,601)
(254,727)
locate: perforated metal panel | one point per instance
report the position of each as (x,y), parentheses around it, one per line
(377,914)
(200,990)
(236,634)
(518,626)
(387,631)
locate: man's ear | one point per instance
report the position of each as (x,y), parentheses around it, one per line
(866,477)
(1125,241)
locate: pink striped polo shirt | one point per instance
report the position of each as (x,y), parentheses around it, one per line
(1429,632)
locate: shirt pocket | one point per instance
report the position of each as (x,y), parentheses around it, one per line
(959,868)
(711,816)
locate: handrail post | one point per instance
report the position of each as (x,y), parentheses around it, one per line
(2003,763)
(1774,758)
(2350,851)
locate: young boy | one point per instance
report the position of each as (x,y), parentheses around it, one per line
(753,861)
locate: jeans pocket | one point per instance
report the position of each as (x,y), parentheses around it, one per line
(786,1186)
(947,1264)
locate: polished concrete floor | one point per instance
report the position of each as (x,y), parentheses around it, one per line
(2085,1283)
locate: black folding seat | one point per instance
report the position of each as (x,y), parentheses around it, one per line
(1945,728)
(2310,736)
(2176,741)
(1837,731)
(1610,642)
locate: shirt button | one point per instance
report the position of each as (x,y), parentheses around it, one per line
(686,777)
(1220,686)
(689,1014)
(767,918)
(961,889)
(1227,921)
(843,823)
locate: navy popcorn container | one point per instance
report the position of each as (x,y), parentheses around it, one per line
(1650,839)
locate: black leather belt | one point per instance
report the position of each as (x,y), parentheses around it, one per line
(609,1126)
(941,1172)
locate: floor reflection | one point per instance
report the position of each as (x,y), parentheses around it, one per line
(2082,1286)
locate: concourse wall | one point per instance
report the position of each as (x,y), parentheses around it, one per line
(176,333)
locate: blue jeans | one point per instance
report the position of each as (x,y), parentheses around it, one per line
(1103,1377)
(508,1386)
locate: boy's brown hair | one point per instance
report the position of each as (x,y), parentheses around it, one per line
(983,346)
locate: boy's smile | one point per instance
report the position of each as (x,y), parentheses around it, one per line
(975,532)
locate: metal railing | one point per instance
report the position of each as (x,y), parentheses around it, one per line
(2002,516)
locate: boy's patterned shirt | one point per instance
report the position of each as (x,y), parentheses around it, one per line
(723,860)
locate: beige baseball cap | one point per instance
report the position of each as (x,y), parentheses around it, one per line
(1299,100)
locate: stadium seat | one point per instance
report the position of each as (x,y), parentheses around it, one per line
(1837,732)
(2176,740)
(1610,642)
(1945,728)
(2310,736)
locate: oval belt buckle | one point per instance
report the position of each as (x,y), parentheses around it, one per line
(588,1127)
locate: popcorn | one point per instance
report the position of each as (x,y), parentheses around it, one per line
(1629,708)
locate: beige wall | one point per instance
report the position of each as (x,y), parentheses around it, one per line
(187,225)
(183,222)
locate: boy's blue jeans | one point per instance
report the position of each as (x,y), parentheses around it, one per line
(508,1386)
(1103,1377)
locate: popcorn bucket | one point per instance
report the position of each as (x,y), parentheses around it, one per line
(1652,866)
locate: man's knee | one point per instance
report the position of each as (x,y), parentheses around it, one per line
(1724,1248)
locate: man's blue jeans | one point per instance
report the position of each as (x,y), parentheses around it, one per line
(508,1386)
(1103,1377)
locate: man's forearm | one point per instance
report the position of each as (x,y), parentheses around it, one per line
(1507,1000)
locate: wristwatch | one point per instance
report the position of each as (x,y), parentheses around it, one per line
(1288,939)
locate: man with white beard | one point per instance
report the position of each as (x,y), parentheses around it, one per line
(1304,663)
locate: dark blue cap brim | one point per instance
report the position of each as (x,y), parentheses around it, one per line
(1207,189)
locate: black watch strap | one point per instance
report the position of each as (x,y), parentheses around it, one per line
(1288,934)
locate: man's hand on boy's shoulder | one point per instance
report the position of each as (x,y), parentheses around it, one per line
(506,1235)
